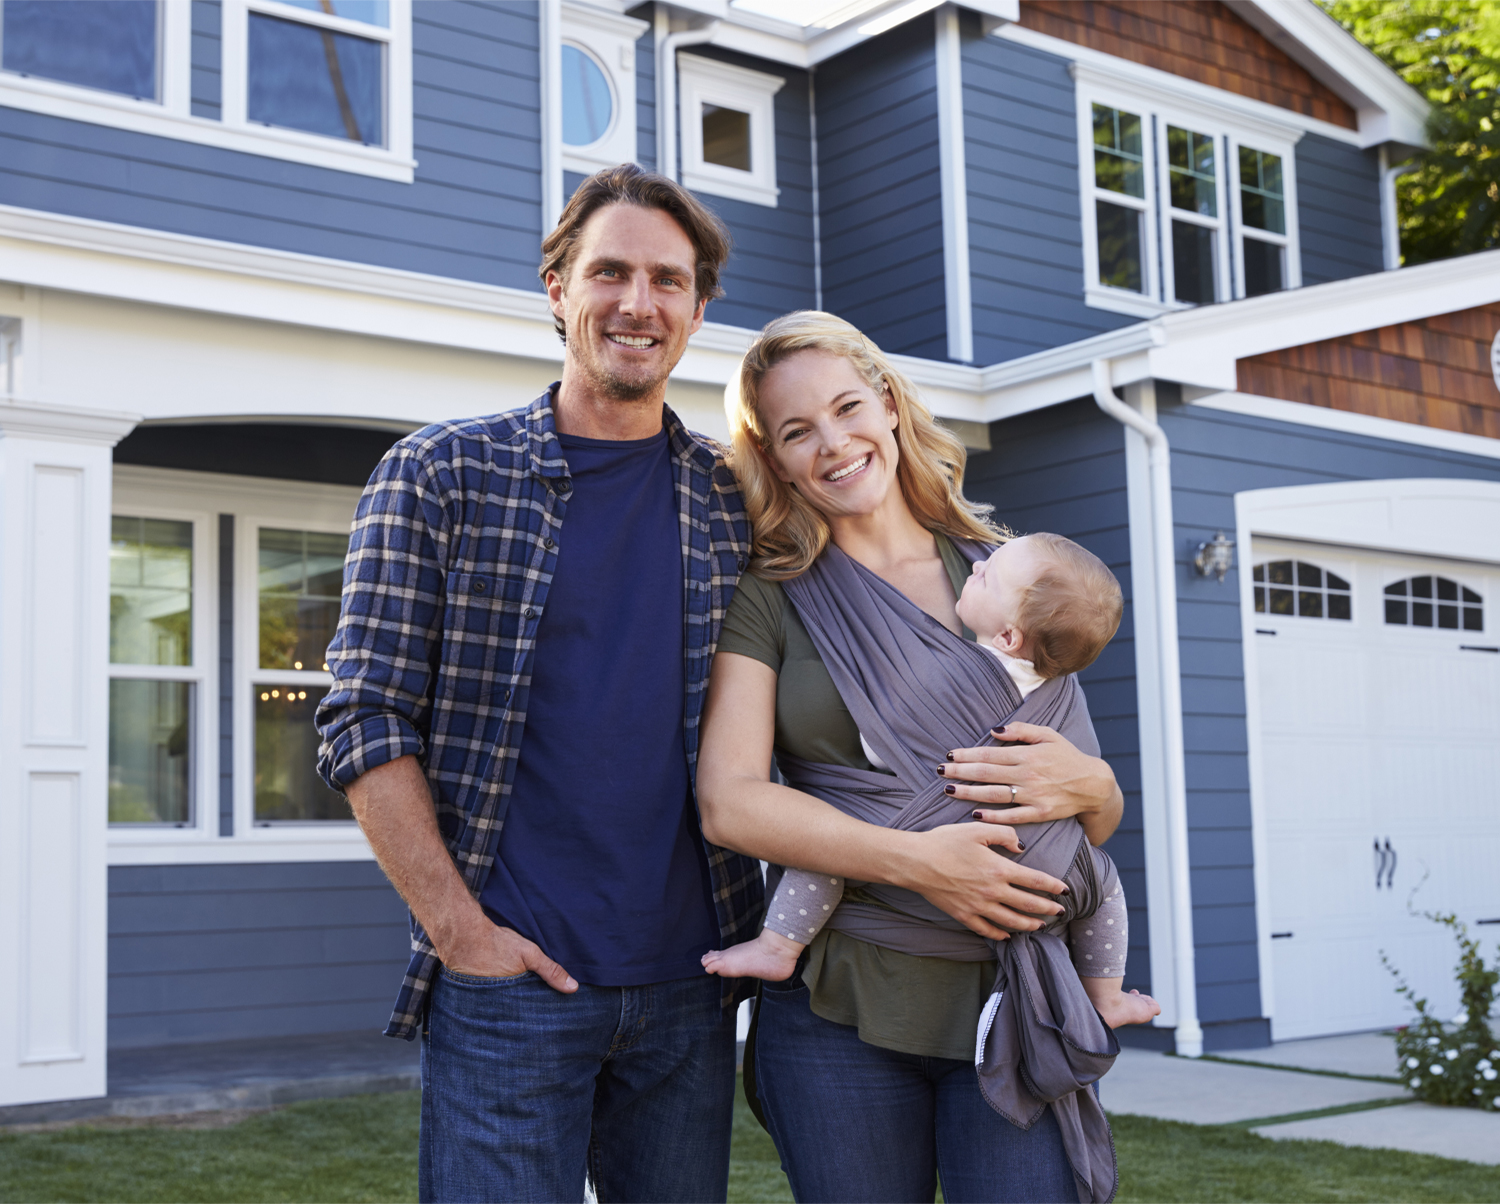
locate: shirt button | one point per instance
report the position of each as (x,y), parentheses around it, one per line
(548,544)
(530,614)
(742,564)
(477,587)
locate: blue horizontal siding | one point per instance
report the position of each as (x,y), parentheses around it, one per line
(645,92)
(219,952)
(206,58)
(1338,210)
(473,212)
(1025,223)
(880,190)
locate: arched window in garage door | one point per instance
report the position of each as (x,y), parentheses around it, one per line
(1433,602)
(1299,587)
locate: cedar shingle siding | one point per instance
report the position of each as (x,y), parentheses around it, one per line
(1197,39)
(1434,372)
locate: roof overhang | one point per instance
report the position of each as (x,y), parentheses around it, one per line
(1201,348)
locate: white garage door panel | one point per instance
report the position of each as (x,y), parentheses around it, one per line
(1374,734)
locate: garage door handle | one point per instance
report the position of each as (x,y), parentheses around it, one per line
(1390,877)
(1380,859)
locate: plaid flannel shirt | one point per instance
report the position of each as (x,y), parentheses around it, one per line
(451,556)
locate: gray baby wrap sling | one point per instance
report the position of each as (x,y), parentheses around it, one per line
(917,690)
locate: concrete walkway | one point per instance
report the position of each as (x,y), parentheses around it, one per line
(234,1075)
(1292,1079)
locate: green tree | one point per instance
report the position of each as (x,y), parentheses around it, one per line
(1448,50)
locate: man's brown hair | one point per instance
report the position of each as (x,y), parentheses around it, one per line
(1071,611)
(632,185)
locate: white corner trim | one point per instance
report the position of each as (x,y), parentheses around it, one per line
(549,16)
(1346,423)
(69,424)
(957,285)
(1241,111)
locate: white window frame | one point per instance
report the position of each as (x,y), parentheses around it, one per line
(1096,293)
(1159,107)
(135,500)
(170,116)
(1332,563)
(609,39)
(1290,244)
(254,503)
(324,514)
(704,81)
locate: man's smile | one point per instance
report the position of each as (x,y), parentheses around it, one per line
(638,341)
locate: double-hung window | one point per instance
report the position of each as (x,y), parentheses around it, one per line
(322,82)
(1182,205)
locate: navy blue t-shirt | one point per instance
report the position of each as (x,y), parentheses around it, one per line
(600,860)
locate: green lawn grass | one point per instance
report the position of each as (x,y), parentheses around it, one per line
(364,1148)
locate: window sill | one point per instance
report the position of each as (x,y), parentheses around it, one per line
(716,185)
(149,117)
(343,842)
(1122,302)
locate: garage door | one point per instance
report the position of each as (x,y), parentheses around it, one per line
(1379,705)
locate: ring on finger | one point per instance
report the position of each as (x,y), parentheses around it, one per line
(1013,793)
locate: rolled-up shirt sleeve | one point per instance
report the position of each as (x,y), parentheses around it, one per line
(385,651)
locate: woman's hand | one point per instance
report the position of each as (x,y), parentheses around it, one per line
(1053,780)
(954,869)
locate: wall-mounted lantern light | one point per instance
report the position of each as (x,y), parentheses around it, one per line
(1216,556)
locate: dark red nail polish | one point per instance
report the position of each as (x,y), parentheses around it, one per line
(977,814)
(1066,890)
(950,788)
(940,769)
(950,756)
(1021,844)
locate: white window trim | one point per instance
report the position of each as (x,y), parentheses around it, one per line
(1330,561)
(315,513)
(609,39)
(707,81)
(136,502)
(254,502)
(1230,127)
(171,116)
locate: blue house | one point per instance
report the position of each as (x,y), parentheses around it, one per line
(1141,256)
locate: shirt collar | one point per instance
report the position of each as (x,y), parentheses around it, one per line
(547,458)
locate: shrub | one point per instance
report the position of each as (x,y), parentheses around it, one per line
(1456,1063)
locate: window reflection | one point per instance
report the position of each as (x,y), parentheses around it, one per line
(371,12)
(726,137)
(304,77)
(1433,602)
(1118,159)
(1119,245)
(588,105)
(106,44)
(1297,587)
(287,786)
(301,574)
(1194,271)
(150,591)
(1190,163)
(150,752)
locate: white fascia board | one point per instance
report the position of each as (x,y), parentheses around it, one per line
(1300,414)
(806,46)
(1233,107)
(1389,109)
(1202,346)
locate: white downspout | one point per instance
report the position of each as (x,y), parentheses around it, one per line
(1390,224)
(667,45)
(1189,1033)
(550,15)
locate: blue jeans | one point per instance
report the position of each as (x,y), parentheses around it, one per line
(524,1089)
(854,1122)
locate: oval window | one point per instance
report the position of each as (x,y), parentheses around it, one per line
(588,104)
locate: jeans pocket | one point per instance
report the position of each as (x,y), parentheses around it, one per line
(484,980)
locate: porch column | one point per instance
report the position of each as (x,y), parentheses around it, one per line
(54,747)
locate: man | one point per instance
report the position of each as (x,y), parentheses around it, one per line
(530,605)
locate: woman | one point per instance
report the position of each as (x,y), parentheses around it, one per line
(864,1059)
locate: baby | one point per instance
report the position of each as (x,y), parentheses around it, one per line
(1046,607)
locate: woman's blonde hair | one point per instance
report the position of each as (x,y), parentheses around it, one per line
(789,532)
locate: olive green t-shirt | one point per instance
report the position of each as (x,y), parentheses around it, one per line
(927,1006)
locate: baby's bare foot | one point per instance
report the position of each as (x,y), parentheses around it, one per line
(770,956)
(1132,1008)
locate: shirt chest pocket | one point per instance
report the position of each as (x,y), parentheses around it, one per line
(487,618)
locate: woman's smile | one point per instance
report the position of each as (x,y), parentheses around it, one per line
(849,468)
